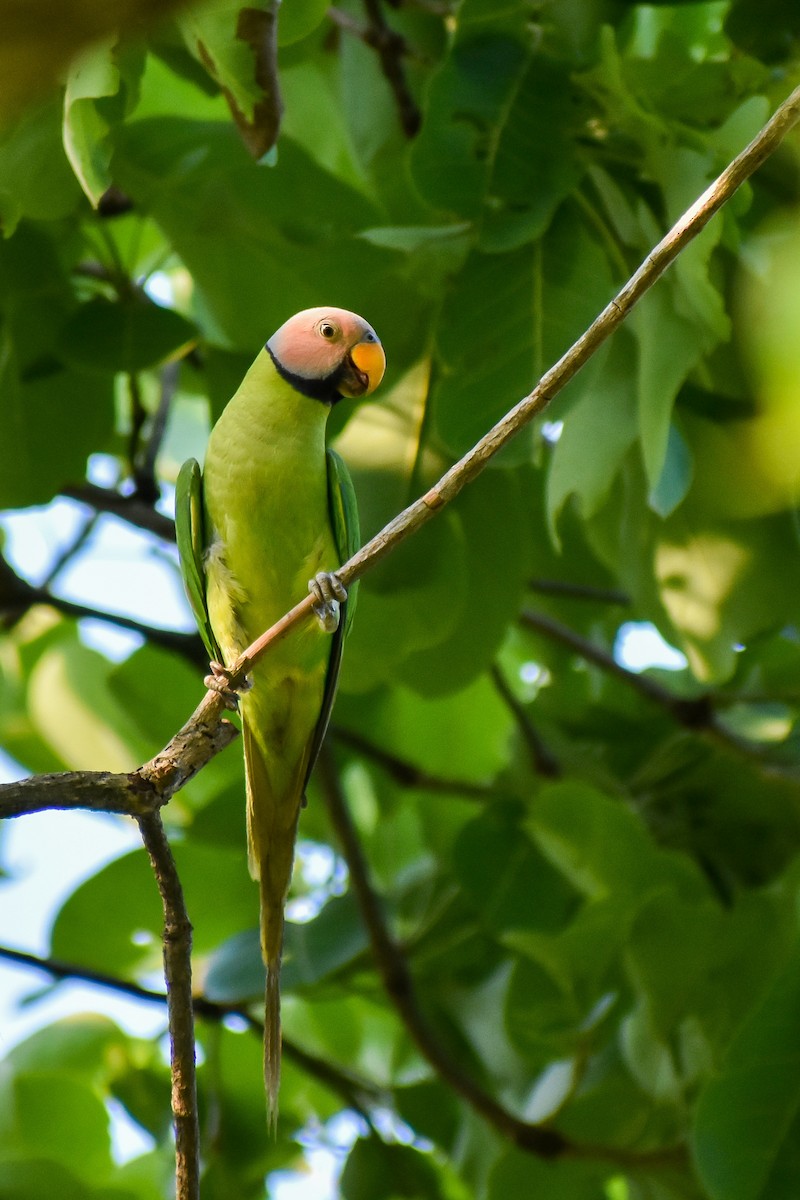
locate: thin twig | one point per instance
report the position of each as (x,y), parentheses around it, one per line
(391,48)
(407,774)
(177,943)
(68,553)
(542,759)
(355,1090)
(696,713)
(579,591)
(144,476)
(129,508)
(15,602)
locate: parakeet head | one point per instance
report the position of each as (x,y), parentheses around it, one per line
(327,353)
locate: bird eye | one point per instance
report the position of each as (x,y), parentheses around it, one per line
(327,330)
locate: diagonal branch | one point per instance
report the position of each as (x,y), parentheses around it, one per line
(391,47)
(541,757)
(407,774)
(696,713)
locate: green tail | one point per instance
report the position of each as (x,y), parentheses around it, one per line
(271,833)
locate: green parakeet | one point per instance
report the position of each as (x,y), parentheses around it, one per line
(272,514)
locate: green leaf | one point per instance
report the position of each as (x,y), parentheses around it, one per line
(602,846)
(669,347)
(544,296)
(497,569)
(410,603)
(75,711)
(298,18)
(509,882)
(52,1116)
(598,431)
(129,939)
(236,44)
(235,971)
(35,178)
(377,1170)
(314,950)
(33,1178)
(130,336)
(80,1045)
(94,75)
(422,731)
(745,1129)
(675,478)
(517,1174)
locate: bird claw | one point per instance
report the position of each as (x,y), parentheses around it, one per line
(220,681)
(329,594)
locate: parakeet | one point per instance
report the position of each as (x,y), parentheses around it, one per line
(272,514)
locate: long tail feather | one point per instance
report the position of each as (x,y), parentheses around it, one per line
(272,1041)
(271,833)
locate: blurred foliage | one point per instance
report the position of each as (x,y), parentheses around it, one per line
(596,885)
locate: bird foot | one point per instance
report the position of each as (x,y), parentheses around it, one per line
(329,594)
(220,681)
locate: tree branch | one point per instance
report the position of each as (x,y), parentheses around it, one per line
(391,48)
(406,774)
(541,758)
(128,508)
(696,713)
(133,793)
(17,596)
(177,944)
(579,591)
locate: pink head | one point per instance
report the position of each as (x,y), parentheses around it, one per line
(328,353)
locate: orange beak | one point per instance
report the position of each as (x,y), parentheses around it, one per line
(369,359)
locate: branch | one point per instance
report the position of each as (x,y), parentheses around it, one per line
(128,508)
(579,591)
(541,758)
(407,774)
(356,1091)
(177,943)
(17,596)
(144,457)
(134,793)
(696,713)
(391,48)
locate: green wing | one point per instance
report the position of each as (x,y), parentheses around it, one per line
(190,536)
(343,508)
(343,511)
